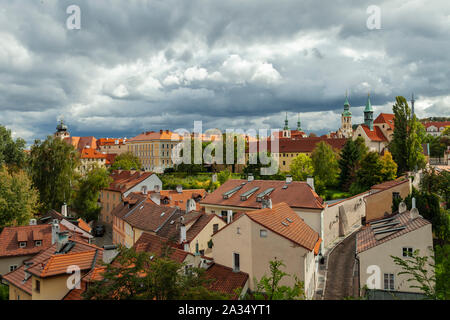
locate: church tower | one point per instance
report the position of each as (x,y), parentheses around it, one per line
(346,120)
(62,130)
(299,127)
(368,114)
(286,130)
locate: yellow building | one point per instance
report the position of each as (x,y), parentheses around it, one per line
(257,237)
(49,275)
(154,149)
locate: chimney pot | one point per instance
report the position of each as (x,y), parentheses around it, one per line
(288,178)
(182,233)
(250,177)
(402,207)
(229,216)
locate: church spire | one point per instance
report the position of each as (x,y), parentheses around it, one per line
(286,123)
(299,127)
(368,113)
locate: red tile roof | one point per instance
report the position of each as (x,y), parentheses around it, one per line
(158,135)
(180,199)
(303,145)
(387,118)
(195,222)
(307,145)
(297,195)
(59,263)
(390,184)
(365,239)
(224,279)
(109,142)
(375,135)
(124,180)
(437,124)
(154,244)
(89,153)
(144,214)
(276,220)
(17,276)
(11,236)
(81,143)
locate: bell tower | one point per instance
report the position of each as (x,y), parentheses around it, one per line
(62,130)
(286,130)
(346,120)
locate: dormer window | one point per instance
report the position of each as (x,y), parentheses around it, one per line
(38,243)
(22,244)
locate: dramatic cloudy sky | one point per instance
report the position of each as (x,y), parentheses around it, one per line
(145,65)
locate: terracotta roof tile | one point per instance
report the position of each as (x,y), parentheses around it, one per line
(297,195)
(123,180)
(375,135)
(387,118)
(154,244)
(11,236)
(276,220)
(365,239)
(225,280)
(175,198)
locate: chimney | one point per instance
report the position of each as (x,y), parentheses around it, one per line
(413,200)
(402,207)
(179,188)
(250,177)
(214,178)
(190,205)
(229,216)
(64,210)
(414,213)
(62,239)
(33,222)
(156,197)
(288,179)
(160,131)
(310,182)
(182,233)
(266,202)
(55,231)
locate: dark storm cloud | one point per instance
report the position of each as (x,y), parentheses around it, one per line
(146,65)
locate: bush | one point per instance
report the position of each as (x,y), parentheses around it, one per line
(4,292)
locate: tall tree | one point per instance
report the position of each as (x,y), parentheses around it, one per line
(11,152)
(349,164)
(416,158)
(325,163)
(126,161)
(88,191)
(301,167)
(18,199)
(406,144)
(52,166)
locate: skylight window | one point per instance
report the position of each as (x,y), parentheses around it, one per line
(248,193)
(261,195)
(163,214)
(289,220)
(284,224)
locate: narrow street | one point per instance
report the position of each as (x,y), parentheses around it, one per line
(341,281)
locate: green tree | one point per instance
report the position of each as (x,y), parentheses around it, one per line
(389,167)
(361,146)
(11,152)
(88,191)
(370,172)
(301,167)
(325,163)
(52,168)
(416,158)
(148,276)
(406,144)
(126,161)
(349,163)
(429,274)
(18,199)
(269,288)
(223,176)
